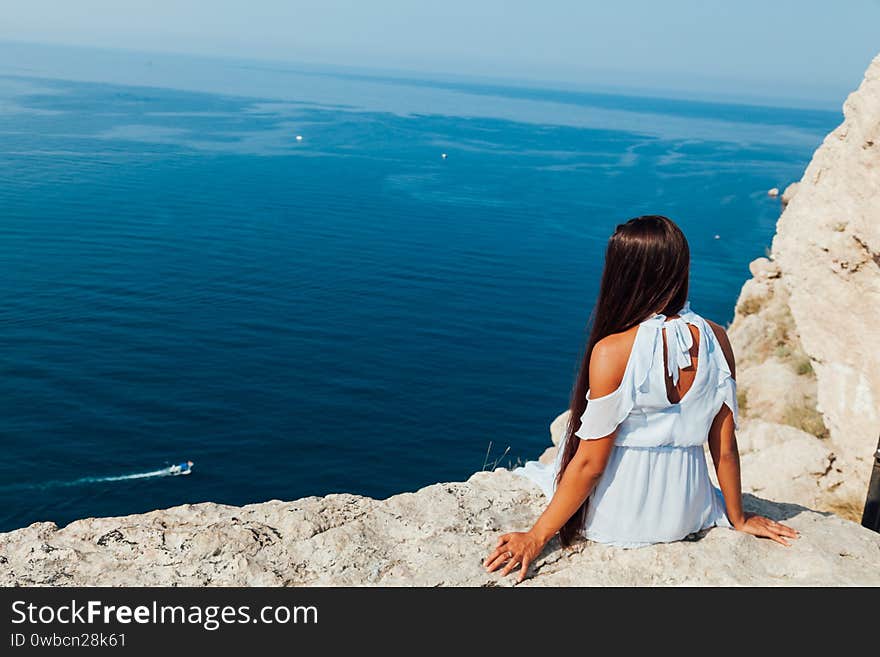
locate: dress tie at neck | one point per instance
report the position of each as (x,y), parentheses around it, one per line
(678,347)
(678,341)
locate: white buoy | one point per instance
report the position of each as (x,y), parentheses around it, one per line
(299,137)
(443,156)
(718,237)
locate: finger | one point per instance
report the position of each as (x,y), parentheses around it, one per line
(513,563)
(787,531)
(786,528)
(495,553)
(497,562)
(525,569)
(492,556)
(500,558)
(779,528)
(780,540)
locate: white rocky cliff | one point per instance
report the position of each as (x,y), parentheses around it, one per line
(806,332)
(807,325)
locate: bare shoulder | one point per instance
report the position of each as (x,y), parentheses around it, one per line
(724,342)
(615,348)
(608,361)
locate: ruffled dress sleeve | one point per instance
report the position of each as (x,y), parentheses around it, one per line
(727,391)
(603,414)
(726,382)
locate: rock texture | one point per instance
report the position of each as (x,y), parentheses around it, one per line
(807,325)
(436,536)
(789,193)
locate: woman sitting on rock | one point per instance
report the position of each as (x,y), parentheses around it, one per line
(656,383)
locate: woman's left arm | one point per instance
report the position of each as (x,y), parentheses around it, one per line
(578,480)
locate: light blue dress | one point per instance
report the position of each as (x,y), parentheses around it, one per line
(656,486)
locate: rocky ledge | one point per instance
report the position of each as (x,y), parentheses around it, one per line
(437,536)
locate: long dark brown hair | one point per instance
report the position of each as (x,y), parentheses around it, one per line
(646,271)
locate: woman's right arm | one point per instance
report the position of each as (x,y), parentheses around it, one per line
(725,455)
(607,365)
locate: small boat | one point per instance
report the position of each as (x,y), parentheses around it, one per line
(184,468)
(299,137)
(443,156)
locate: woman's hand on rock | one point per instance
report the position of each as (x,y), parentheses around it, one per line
(766,528)
(512,550)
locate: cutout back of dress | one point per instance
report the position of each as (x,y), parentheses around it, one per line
(686,375)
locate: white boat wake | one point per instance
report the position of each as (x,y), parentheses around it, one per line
(169,471)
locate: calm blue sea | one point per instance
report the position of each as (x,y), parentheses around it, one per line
(183,279)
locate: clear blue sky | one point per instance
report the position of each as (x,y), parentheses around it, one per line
(812,49)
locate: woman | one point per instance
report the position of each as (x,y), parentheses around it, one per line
(656,383)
